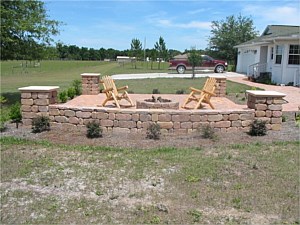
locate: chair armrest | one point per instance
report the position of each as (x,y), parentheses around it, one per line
(122,88)
(107,90)
(207,92)
(195,89)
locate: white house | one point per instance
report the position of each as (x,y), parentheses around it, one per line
(276,51)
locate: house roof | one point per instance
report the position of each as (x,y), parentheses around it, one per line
(273,32)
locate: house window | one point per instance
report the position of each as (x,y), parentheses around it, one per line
(279,50)
(272,53)
(294,54)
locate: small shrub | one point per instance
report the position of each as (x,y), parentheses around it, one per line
(3,125)
(63,96)
(3,119)
(15,114)
(155,91)
(40,124)
(93,130)
(77,86)
(180,92)
(297,119)
(258,128)
(71,92)
(153,131)
(207,131)
(196,215)
(284,118)
(2,100)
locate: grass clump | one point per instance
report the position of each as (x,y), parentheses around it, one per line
(94,130)
(153,131)
(40,124)
(258,128)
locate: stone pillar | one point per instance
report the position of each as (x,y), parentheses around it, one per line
(90,83)
(268,107)
(221,86)
(35,101)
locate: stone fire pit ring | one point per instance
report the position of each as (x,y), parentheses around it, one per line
(157,103)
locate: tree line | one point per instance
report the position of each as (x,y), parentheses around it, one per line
(26,34)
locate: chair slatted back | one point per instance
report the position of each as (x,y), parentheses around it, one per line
(108,83)
(210,85)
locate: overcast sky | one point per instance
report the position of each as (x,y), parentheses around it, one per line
(182,24)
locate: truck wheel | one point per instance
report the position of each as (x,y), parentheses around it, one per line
(219,69)
(181,69)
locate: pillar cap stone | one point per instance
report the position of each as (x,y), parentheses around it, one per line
(265,93)
(90,74)
(38,88)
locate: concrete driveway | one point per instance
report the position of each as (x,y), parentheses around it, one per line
(171,75)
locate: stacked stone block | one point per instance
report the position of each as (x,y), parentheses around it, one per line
(90,83)
(35,101)
(220,90)
(268,107)
(138,120)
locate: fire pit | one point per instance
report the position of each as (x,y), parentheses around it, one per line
(157,103)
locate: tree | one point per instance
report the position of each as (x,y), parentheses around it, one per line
(25,29)
(161,49)
(136,49)
(231,32)
(194,59)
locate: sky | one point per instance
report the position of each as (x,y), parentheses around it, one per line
(182,24)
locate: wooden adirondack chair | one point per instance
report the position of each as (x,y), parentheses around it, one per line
(112,92)
(202,96)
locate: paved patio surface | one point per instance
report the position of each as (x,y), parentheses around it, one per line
(292,93)
(220,103)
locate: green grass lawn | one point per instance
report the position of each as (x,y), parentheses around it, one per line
(46,183)
(62,73)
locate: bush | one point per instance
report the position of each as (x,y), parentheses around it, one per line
(40,124)
(63,97)
(155,91)
(153,131)
(71,92)
(297,119)
(207,131)
(3,119)
(93,130)
(258,128)
(15,114)
(77,86)
(2,99)
(180,92)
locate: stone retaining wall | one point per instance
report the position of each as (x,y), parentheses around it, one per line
(139,119)
(263,105)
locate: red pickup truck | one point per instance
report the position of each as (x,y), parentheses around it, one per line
(181,64)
